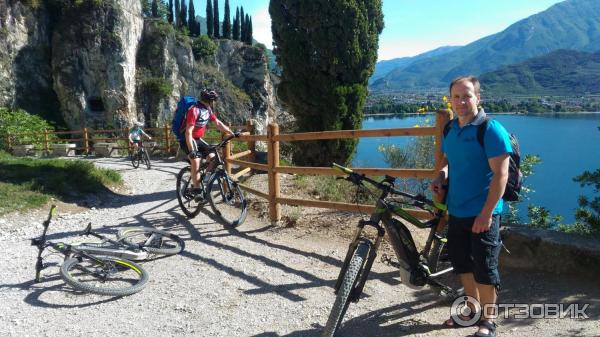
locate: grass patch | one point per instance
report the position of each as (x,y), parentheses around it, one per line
(29,182)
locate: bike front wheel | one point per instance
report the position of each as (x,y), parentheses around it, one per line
(227,199)
(104,275)
(349,281)
(151,239)
(135,160)
(147,160)
(188,201)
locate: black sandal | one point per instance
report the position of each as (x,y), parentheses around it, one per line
(452,323)
(491,326)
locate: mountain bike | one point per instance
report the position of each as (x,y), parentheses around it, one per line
(141,155)
(222,192)
(430,266)
(105,267)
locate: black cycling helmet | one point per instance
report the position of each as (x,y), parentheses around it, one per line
(208,95)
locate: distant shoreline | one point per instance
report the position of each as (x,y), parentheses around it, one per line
(495,113)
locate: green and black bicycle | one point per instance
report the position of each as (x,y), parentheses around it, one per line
(105,267)
(429,266)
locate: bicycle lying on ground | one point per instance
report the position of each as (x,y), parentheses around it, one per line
(139,156)
(105,267)
(222,192)
(417,269)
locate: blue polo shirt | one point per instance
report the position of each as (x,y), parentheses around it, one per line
(468,168)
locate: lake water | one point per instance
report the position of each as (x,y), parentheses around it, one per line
(567,144)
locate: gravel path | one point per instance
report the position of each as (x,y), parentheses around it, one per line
(258,280)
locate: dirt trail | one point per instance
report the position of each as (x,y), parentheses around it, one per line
(258,280)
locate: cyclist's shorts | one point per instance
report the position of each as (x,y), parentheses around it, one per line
(475,253)
(200,146)
(136,141)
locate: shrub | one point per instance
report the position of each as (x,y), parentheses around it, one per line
(23,127)
(203,48)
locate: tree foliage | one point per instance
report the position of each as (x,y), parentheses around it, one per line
(327,50)
(216,19)
(588,212)
(227,21)
(209,19)
(236,25)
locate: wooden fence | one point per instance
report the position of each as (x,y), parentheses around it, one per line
(273,168)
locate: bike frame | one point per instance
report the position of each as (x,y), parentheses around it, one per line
(400,239)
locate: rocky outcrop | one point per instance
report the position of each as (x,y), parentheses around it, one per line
(246,67)
(25,71)
(94,63)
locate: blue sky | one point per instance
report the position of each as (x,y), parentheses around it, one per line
(416,26)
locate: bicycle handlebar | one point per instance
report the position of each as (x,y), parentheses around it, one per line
(356,178)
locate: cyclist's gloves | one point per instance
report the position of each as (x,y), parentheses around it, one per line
(236,134)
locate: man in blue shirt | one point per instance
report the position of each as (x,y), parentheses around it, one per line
(477,177)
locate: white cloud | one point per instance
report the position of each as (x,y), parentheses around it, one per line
(261,27)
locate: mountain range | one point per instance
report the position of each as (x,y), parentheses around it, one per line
(572,24)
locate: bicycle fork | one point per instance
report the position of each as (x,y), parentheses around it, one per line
(362,278)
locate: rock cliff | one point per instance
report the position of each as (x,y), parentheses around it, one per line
(120,66)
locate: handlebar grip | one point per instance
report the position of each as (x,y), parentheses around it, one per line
(342,168)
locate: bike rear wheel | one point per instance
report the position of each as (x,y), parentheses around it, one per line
(350,279)
(226,199)
(153,240)
(104,275)
(186,198)
(438,261)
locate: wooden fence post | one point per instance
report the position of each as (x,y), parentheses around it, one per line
(252,143)
(8,142)
(226,155)
(86,141)
(167,140)
(46,147)
(273,163)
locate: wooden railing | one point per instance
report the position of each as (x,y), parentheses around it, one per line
(273,167)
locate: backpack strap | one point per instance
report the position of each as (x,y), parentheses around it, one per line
(447,128)
(481,131)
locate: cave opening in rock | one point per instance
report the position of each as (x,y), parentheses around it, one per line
(95,104)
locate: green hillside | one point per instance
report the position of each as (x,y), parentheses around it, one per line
(562,72)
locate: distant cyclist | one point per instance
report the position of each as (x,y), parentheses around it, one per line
(135,135)
(196,119)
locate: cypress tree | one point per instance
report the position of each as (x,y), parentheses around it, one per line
(209,19)
(154,8)
(192,19)
(249,32)
(242,28)
(236,24)
(326,58)
(226,22)
(170,12)
(177,18)
(246,26)
(216,19)
(183,14)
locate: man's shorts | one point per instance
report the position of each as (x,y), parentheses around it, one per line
(136,141)
(200,145)
(475,253)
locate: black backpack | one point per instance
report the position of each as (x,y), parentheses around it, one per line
(515,177)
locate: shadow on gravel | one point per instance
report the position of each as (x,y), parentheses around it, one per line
(38,290)
(377,323)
